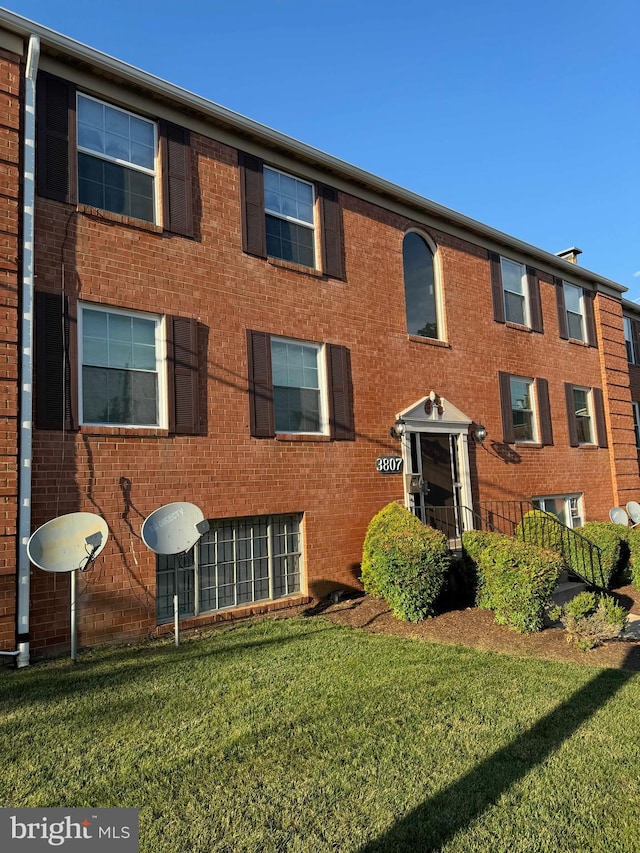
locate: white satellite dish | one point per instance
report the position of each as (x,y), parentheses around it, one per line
(68,542)
(174,528)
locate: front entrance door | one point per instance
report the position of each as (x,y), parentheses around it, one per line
(434,490)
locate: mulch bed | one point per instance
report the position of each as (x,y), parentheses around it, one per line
(475,628)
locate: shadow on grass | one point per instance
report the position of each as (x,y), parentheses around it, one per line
(432,824)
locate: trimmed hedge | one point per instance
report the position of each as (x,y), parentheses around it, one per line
(516,579)
(631,572)
(611,539)
(404,562)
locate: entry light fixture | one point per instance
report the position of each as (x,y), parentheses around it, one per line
(479,433)
(397,430)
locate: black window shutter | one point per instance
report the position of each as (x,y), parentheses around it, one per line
(562,309)
(55,363)
(571,415)
(56,138)
(535,307)
(341,418)
(496,287)
(589,320)
(544,412)
(252,200)
(184,375)
(261,412)
(598,411)
(635,341)
(505,407)
(331,232)
(176,179)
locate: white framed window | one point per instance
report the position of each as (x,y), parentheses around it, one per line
(636,421)
(117,159)
(574,304)
(238,561)
(523,409)
(567,508)
(583,415)
(121,362)
(515,291)
(421,291)
(628,340)
(299,383)
(289,205)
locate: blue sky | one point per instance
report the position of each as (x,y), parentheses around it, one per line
(525,116)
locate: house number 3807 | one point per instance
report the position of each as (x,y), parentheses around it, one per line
(389,464)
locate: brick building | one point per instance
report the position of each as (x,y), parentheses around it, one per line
(226,316)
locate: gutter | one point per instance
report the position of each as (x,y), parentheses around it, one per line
(68,48)
(26,364)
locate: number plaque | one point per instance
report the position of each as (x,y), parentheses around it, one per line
(389,464)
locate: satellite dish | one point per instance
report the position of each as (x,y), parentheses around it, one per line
(174,528)
(68,542)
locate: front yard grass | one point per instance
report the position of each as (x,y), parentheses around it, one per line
(301,735)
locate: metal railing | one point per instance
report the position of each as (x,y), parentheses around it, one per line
(582,557)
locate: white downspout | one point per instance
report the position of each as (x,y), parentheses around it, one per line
(26,369)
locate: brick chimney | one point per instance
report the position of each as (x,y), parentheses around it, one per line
(570,255)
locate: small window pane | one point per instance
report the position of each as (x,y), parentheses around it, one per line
(573,298)
(574,326)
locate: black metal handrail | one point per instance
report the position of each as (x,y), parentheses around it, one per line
(582,557)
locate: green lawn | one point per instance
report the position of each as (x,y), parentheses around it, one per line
(299,735)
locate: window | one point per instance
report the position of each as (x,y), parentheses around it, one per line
(103,156)
(515,289)
(567,508)
(526,414)
(630,338)
(297,383)
(289,205)
(573,301)
(582,414)
(133,369)
(585,412)
(238,561)
(299,387)
(419,287)
(636,421)
(524,427)
(514,283)
(289,218)
(116,159)
(121,355)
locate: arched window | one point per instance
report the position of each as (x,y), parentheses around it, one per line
(419,287)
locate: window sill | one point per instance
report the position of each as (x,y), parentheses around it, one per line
(433,342)
(289,265)
(300,436)
(528,445)
(588,447)
(578,343)
(131,431)
(118,218)
(518,327)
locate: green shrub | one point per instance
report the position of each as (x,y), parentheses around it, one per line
(516,579)
(590,619)
(404,562)
(474,543)
(610,538)
(631,572)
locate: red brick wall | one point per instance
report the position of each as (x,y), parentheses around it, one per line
(9,324)
(125,474)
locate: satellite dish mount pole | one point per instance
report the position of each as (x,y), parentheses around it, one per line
(74,615)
